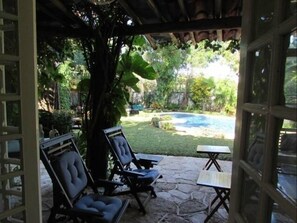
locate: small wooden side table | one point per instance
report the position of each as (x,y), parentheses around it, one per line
(213,153)
(221,183)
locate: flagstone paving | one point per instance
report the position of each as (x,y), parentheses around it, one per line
(178,200)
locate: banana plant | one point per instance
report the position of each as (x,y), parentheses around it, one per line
(130,68)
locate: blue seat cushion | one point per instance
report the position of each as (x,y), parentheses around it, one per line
(150,175)
(108,207)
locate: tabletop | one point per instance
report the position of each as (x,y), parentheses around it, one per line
(214,179)
(212,149)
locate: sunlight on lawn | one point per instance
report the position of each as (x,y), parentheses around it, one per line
(141,117)
(193,131)
(145,138)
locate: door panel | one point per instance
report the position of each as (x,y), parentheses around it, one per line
(250,203)
(285,171)
(260,70)
(265,190)
(264,15)
(290,70)
(279,214)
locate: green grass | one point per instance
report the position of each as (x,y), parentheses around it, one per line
(145,138)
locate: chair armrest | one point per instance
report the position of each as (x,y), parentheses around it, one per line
(107,186)
(131,173)
(107,183)
(146,163)
(147,160)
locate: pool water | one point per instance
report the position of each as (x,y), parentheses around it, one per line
(209,124)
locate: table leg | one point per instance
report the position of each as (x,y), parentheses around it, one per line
(215,162)
(219,196)
(212,160)
(223,195)
(208,164)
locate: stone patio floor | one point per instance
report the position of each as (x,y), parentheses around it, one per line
(179,199)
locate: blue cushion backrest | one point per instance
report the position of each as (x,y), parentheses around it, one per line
(255,156)
(71,173)
(122,149)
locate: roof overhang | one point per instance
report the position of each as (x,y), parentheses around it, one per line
(179,21)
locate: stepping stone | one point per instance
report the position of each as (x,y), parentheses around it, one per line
(191,207)
(178,194)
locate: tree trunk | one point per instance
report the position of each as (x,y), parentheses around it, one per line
(103,62)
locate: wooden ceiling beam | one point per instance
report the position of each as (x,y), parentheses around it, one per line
(218,8)
(218,14)
(59,5)
(59,13)
(52,15)
(198,25)
(183,10)
(153,6)
(128,9)
(45,31)
(188,26)
(130,12)
(151,41)
(156,10)
(181,4)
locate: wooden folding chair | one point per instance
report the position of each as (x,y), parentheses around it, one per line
(75,194)
(129,168)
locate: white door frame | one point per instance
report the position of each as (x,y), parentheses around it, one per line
(28,70)
(23,24)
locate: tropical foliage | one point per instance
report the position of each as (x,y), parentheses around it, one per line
(112,63)
(226,96)
(290,86)
(202,89)
(60,68)
(166,60)
(105,71)
(181,76)
(71,66)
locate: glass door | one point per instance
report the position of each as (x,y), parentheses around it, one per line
(19,157)
(265,162)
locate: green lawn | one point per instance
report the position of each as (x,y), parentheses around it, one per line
(145,138)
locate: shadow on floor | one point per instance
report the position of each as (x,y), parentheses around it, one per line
(179,199)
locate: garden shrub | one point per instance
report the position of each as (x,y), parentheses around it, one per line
(65,100)
(167,125)
(230,110)
(156,106)
(46,120)
(165,118)
(59,119)
(62,121)
(155,121)
(173,106)
(163,122)
(81,142)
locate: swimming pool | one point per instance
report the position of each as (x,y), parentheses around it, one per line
(203,124)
